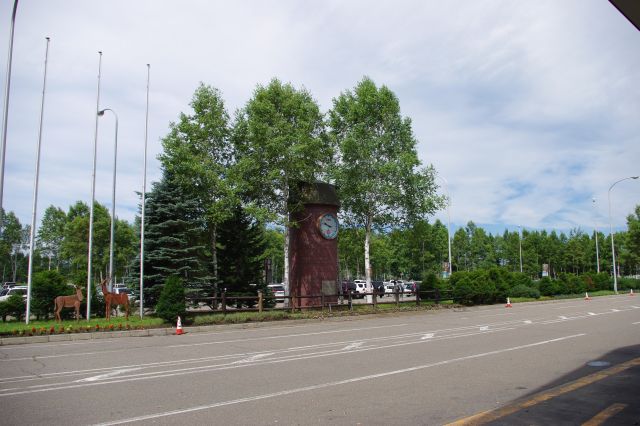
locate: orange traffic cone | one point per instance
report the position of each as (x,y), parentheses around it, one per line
(631,292)
(179,327)
(508,305)
(586,296)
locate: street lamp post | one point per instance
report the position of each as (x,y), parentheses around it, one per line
(113,195)
(520,244)
(597,250)
(93,195)
(613,249)
(446,187)
(5,116)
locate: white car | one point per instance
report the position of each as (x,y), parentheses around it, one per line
(278,291)
(361,287)
(8,292)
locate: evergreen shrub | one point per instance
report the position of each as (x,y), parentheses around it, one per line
(172,301)
(523,291)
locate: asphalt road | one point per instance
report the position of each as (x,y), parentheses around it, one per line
(529,364)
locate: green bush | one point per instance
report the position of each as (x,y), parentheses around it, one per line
(474,288)
(548,287)
(14,306)
(46,286)
(628,284)
(172,301)
(523,291)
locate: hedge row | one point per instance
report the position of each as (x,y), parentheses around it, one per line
(495,285)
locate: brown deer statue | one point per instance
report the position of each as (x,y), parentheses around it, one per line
(69,302)
(114,299)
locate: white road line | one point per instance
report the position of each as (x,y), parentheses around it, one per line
(331,384)
(528,322)
(354,345)
(562,317)
(592,313)
(484,328)
(635,323)
(615,310)
(219,342)
(427,336)
(219,367)
(253,358)
(107,375)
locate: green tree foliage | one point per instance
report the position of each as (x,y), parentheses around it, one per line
(10,246)
(174,239)
(378,171)
(632,259)
(76,238)
(46,286)
(198,155)
(241,253)
(279,137)
(14,306)
(171,303)
(51,235)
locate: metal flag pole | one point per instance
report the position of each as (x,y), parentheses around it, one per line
(144,192)
(93,195)
(35,188)
(5,116)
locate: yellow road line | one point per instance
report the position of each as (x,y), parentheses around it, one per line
(488,416)
(605,415)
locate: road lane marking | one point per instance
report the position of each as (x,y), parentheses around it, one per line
(528,322)
(107,375)
(354,345)
(220,367)
(253,358)
(605,415)
(427,336)
(562,317)
(331,384)
(592,313)
(484,328)
(635,323)
(492,415)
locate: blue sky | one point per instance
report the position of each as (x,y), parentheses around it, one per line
(527,109)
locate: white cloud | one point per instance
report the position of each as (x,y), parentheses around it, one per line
(527,109)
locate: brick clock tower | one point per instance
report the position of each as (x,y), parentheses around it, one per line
(313,249)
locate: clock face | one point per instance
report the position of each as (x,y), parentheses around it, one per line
(328,226)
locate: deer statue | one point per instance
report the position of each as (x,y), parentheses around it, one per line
(114,299)
(68,302)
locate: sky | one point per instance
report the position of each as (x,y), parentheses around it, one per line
(527,110)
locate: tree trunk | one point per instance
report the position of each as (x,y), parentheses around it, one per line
(214,255)
(287,236)
(367,262)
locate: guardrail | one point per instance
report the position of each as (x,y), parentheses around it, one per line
(227,303)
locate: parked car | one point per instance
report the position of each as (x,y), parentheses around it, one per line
(360,288)
(409,289)
(8,292)
(278,291)
(8,284)
(124,290)
(348,287)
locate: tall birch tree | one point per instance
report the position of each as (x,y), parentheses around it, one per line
(279,135)
(379,176)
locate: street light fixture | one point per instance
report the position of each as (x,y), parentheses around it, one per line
(113,195)
(613,249)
